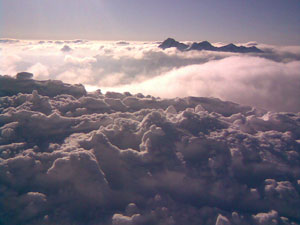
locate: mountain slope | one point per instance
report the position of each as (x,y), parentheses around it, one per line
(205,45)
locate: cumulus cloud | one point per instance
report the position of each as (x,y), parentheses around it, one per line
(72,157)
(66,48)
(245,78)
(9,63)
(76,75)
(79,60)
(40,71)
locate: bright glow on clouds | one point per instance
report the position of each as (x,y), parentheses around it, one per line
(247,80)
(77,60)
(269,80)
(39,70)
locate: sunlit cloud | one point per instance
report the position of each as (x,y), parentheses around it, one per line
(246,80)
(143,67)
(79,60)
(39,71)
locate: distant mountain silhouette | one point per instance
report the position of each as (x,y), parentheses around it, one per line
(241,49)
(205,45)
(170,42)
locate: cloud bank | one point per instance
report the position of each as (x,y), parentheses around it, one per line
(269,80)
(72,157)
(246,80)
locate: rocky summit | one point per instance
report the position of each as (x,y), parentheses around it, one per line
(205,45)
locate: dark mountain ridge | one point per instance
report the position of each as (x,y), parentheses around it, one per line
(205,45)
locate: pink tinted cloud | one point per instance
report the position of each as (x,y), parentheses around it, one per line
(243,79)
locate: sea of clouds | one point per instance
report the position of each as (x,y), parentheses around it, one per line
(143,151)
(68,156)
(269,80)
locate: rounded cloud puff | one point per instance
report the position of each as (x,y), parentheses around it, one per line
(68,156)
(242,79)
(269,79)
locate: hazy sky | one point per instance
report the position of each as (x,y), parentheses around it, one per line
(268,21)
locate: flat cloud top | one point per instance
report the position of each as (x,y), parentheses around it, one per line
(68,156)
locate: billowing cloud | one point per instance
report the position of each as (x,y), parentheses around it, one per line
(246,80)
(9,63)
(251,79)
(79,60)
(72,157)
(40,71)
(66,48)
(76,76)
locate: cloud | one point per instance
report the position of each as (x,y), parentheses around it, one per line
(39,71)
(122,43)
(71,157)
(243,79)
(8,41)
(111,80)
(251,43)
(78,41)
(79,60)
(76,76)
(115,66)
(66,48)
(9,63)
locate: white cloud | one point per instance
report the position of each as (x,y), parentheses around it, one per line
(243,79)
(76,76)
(79,60)
(39,71)
(68,157)
(137,66)
(8,63)
(111,80)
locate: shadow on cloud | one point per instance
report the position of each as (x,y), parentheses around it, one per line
(270,80)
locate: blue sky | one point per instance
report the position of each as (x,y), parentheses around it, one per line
(267,21)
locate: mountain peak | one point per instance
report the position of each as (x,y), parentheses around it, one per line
(205,45)
(170,42)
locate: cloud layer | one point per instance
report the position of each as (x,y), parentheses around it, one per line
(72,157)
(246,80)
(269,80)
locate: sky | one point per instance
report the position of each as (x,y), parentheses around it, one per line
(163,136)
(113,46)
(265,21)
